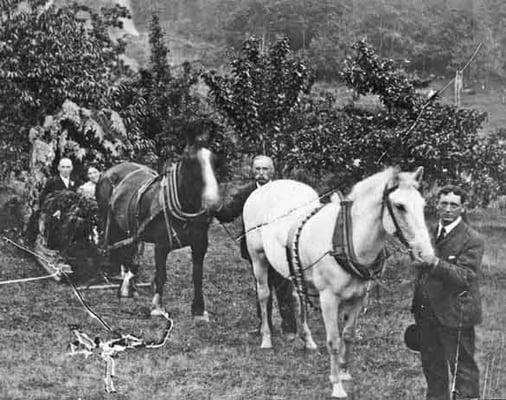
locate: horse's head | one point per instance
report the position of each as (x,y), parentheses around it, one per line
(403,211)
(199,186)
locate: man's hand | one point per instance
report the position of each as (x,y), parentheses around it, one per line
(426,265)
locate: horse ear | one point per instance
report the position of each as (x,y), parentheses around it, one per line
(418,175)
(197,131)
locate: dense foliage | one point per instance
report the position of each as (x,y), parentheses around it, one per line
(61,71)
(160,102)
(259,96)
(431,36)
(49,55)
(271,114)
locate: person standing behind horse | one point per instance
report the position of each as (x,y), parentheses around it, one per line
(446,303)
(263,170)
(88,189)
(60,182)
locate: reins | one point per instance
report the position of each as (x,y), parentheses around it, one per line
(285,214)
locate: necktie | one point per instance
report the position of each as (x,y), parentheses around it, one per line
(441,235)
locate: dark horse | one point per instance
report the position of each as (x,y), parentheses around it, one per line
(171,210)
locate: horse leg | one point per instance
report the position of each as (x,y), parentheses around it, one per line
(260,270)
(351,310)
(161,251)
(305,332)
(330,305)
(127,288)
(198,305)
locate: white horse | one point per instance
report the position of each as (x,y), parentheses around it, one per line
(387,202)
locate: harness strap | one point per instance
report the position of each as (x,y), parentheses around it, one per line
(295,266)
(174,204)
(110,210)
(398,232)
(343,249)
(171,232)
(137,228)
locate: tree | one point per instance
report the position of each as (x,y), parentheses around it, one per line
(366,72)
(354,143)
(159,102)
(49,55)
(260,96)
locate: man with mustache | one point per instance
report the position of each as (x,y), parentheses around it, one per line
(263,172)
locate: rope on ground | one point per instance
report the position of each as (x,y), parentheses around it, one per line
(55,274)
(105,349)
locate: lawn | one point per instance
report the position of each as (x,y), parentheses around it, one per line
(220,360)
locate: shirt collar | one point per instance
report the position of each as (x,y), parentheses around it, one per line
(66,181)
(449,227)
(258,185)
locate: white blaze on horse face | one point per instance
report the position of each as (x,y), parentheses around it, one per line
(408,207)
(210,192)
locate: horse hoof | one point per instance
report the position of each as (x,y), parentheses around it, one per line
(344,375)
(266,344)
(201,318)
(311,345)
(338,392)
(158,312)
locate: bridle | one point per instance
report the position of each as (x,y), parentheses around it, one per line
(398,231)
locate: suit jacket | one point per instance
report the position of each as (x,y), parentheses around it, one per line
(54,184)
(233,209)
(451,289)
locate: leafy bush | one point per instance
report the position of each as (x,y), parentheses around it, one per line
(50,54)
(260,97)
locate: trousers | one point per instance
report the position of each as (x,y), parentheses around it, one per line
(438,350)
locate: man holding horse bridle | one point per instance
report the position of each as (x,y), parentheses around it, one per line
(263,172)
(446,303)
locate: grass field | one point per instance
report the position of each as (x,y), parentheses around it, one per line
(220,360)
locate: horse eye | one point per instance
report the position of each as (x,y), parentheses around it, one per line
(400,207)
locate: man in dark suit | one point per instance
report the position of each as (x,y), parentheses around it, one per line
(263,170)
(54,184)
(60,182)
(447,304)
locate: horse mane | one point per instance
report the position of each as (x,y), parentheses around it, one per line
(373,183)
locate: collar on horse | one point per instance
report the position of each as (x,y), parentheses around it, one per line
(342,245)
(169,189)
